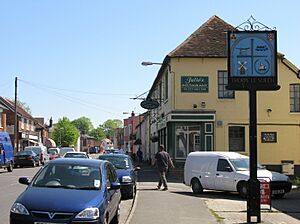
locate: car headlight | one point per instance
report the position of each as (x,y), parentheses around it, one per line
(88,213)
(126,179)
(19,209)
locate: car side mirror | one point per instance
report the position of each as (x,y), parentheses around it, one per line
(228,169)
(24,180)
(115,186)
(137,168)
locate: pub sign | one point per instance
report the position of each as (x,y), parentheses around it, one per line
(194,84)
(252,60)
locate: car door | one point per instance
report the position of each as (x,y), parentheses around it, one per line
(115,194)
(224,176)
(112,194)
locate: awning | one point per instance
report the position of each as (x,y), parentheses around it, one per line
(50,143)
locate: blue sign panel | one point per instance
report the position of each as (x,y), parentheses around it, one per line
(252,60)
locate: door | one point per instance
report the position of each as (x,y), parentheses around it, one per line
(224,179)
(114,194)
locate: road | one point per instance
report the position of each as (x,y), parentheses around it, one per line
(10,189)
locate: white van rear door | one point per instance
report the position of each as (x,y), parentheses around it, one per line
(224,176)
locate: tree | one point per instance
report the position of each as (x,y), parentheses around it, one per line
(98,133)
(65,133)
(83,124)
(109,126)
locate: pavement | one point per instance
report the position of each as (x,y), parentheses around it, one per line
(180,205)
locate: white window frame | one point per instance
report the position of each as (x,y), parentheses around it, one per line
(22,123)
(27,124)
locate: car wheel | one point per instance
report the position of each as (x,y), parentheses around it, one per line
(196,186)
(242,189)
(116,218)
(10,167)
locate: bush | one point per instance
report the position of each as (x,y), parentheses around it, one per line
(296,181)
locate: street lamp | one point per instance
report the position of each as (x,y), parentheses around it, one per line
(147,63)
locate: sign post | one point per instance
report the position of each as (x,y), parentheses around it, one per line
(265,192)
(252,66)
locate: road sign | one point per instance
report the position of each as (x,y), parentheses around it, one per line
(265,192)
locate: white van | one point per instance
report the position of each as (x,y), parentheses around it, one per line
(41,151)
(228,171)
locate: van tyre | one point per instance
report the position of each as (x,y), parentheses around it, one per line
(242,189)
(196,186)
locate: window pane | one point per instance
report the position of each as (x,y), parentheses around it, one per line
(181,142)
(237,139)
(222,82)
(295,97)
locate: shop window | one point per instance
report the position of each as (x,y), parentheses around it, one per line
(237,139)
(295,97)
(188,139)
(181,142)
(208,142)
(223,93)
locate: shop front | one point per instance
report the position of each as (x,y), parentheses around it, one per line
(189,132)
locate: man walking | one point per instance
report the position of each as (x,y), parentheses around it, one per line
(163,161)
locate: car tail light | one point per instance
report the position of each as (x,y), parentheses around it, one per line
(29,157)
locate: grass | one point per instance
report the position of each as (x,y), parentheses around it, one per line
(296,181)
(218,218)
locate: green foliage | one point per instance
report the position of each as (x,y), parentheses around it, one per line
(65,133)
(109,126)
(98,133)
(296,181)
(83,124)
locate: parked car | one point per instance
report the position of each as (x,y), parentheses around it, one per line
(41,151)
(26,158)
(94,150)
(125,171)
(53,149)
(111,150)
(6,152)
(76,155)
(69,191)
(53,155)
(64,150)
(228,171)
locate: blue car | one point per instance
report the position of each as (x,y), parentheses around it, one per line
(69,191)
(125,171)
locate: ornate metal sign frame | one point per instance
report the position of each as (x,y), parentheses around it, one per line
(252,57)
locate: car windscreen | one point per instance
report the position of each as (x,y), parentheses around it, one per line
(63,151)
(36,150)
(242,164)
(75,155)
(69,176)
(24,153)
(120,162)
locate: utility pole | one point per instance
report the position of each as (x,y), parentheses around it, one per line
(16,128)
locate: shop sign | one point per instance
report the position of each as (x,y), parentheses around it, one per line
(194,84)
(149,104)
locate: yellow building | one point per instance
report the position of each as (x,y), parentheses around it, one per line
(198,113)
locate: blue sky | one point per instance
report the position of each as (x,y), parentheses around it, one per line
(83,57)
